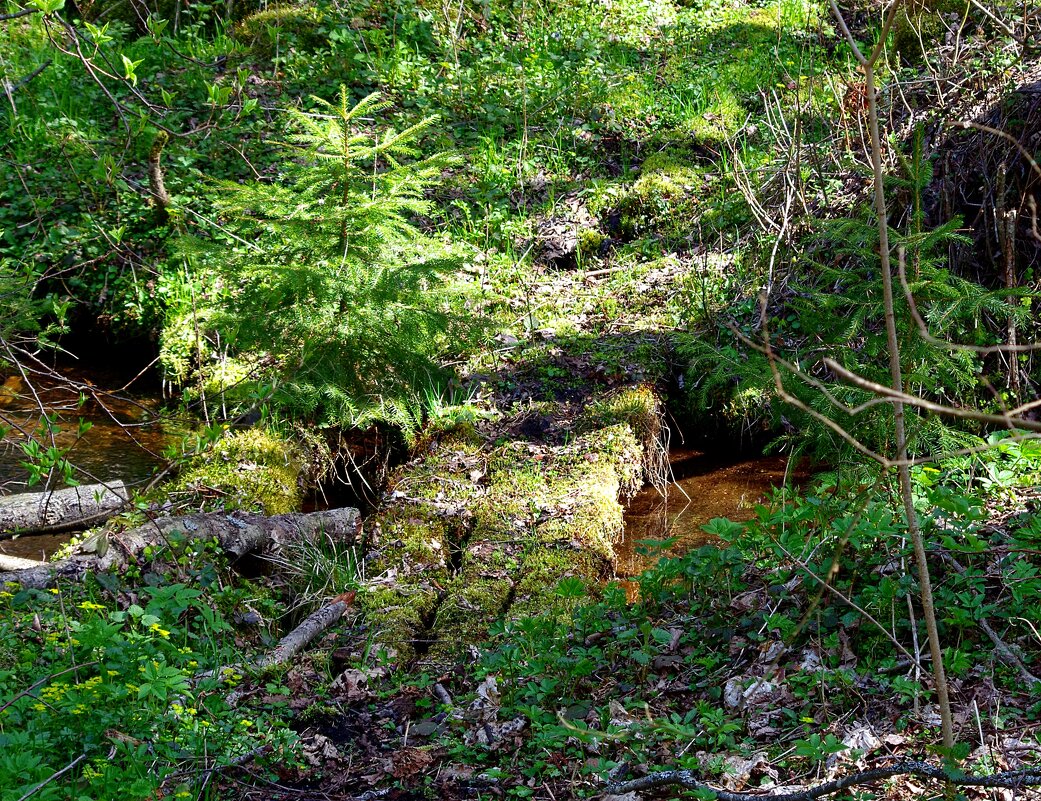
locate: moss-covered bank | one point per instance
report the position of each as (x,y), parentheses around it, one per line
(475,529)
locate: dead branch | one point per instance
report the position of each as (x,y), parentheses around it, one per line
(13,86)
(313,625)
(1014,779)
(290,645)
(236,535)
(8,563)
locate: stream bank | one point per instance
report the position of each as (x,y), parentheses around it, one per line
(106,431)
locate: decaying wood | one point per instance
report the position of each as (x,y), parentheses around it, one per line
(313,625)
(237,536)
(290,645)
(61,510)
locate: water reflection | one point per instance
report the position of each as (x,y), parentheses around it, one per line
(126,438)
(706,486)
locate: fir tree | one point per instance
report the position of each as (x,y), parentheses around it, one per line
(330,279)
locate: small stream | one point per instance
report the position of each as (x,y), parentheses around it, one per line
(125,441)
(706,486)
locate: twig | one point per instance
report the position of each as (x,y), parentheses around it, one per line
(1009,420)
(23,13)
(11,88)
(53,776)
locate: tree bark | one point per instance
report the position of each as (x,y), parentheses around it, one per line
(8,563)
(237,536)
(61,510)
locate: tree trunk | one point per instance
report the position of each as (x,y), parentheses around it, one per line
(61,510)
(237,536)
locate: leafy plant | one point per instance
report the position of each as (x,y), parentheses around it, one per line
(331,289)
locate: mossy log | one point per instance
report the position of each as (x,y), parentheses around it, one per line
(61,510)
(236,535)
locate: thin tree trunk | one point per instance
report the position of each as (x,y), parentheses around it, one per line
(903,469)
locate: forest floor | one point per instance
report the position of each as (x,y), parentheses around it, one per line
(628,169)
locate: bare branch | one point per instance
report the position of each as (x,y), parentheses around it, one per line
(25,12)
(686,779)
(1009,420)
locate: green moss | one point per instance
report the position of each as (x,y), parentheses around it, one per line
(255,470)
(538,512)
(396,618)
(472,604)
(280,26)
(662,201)
(413,538)
(639,408)
(541,572)
(590,240)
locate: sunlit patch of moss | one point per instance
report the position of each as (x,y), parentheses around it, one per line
(412,541)
(256,470)
(280,25)
(658,202)
(541,571)
(590,241)
(640,409)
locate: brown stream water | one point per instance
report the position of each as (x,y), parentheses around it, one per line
(125,441)
(706,486)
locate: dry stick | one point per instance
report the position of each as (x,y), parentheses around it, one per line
(903,471)
(294,642)
(313,625)
(156,184)
(56,775)
(688,780)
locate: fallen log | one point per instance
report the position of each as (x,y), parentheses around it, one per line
(61,510)
(8,563)
(237,535)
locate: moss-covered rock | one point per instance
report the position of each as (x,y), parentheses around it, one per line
(662,201)
(256,470)
(468,528)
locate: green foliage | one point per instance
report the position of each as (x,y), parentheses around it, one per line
(118,693)
(327,277)
(832,308)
